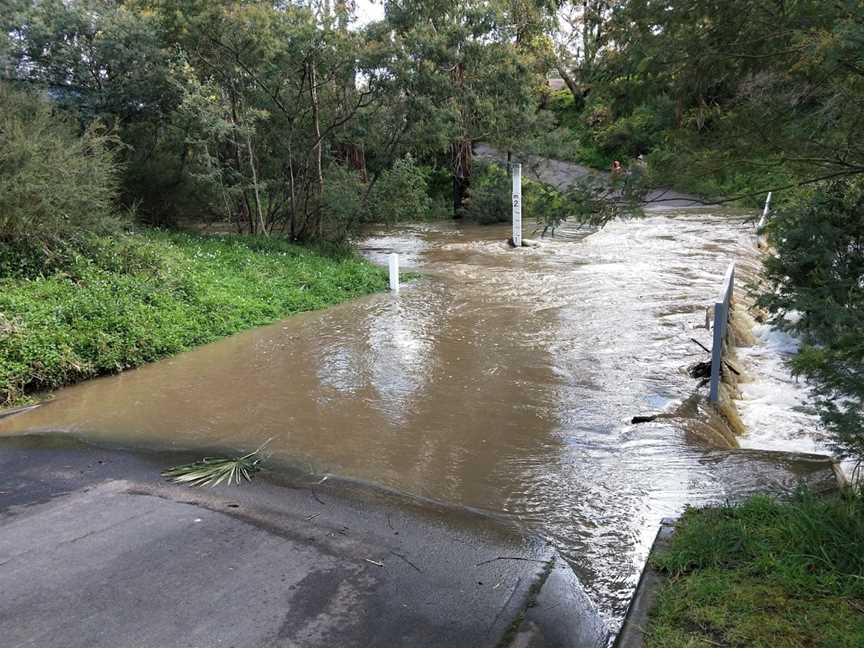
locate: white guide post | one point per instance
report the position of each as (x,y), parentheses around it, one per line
(765,211)
(517,204)
(394,272)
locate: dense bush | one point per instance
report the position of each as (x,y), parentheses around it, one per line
(401,194)
(562,104)
(718,172)
(634,134)
(341,203)
(489,197)
(57,183)
(816,276)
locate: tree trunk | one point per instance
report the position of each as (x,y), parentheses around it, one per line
(261,224)
(291,228)
(460,150)
(462,157)
(352,157)
(316,151)
(571,84)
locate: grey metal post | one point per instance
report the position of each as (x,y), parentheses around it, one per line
(717,350)
(721,320)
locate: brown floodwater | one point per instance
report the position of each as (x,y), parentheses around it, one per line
(503,380)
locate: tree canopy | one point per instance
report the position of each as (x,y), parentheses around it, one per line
(245,110)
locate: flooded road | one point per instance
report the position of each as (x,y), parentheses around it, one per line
(503,380)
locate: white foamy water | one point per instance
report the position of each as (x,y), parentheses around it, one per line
(776,406)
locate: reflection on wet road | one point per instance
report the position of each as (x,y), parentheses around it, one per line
(503,380)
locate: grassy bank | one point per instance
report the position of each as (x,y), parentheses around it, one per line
(134,298)
(764,574)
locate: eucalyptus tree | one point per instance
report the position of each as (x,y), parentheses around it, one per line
(770,85)
(459,75)
(229,110)
(254,111)
(249,75)
(582,35)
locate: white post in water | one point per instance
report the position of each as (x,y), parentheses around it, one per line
(517,204)
(394,272)
(765,211)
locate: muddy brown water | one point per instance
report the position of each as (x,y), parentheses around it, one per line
(501,380)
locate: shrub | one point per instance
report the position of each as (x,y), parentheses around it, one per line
(489,195)
(57,183)
(120,252)
(563,106)
(401,193)
(633,135)
(816,273)
(341,203)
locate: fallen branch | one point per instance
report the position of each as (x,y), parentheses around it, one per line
(491,560)
(704,348)
(731,368)
(643,419)
(212,471)
(405,558)
(699,366)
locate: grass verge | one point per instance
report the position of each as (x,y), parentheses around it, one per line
(134,298)
(764,574)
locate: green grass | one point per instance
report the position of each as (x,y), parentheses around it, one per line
(134,298)
(764,574)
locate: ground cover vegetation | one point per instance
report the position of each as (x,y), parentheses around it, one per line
(764,574)
(132,298)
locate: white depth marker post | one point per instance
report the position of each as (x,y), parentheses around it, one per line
(394,272)
(517,204)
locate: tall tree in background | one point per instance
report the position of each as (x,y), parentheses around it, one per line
(734,67)
(461,61)
(228,110)
(241,110)
(581,35)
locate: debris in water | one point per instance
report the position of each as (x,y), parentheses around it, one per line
(700,370)
(643,419)
(212,471)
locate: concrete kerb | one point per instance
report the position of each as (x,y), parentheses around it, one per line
(632,631)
